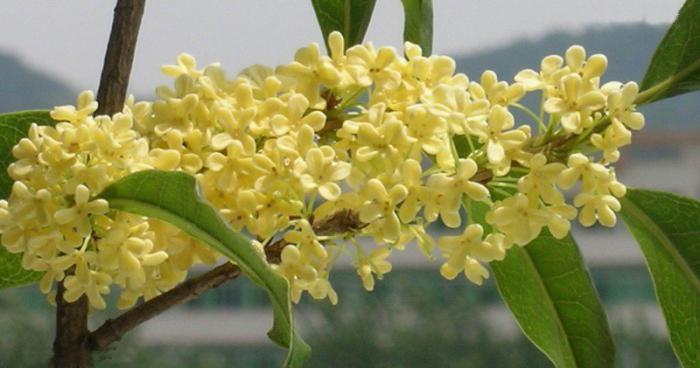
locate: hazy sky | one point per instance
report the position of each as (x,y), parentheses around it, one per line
(68,37)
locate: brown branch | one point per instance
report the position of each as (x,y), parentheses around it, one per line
(119,56)
(112,330)
(71,332)
(341,221)
(70,344)
(482,177)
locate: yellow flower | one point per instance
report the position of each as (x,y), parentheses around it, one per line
(561,215)
(409,174)
(621,104)
(590,68)
(378,136)
(319,171)
(496,136)
(437,202)
(497,93)
(295,115)
(78,216)
(460,107)
(31,208)
(451,188)
(242,213)
(580,167)
(464,252)
(304,264)
(380,206)
(421,72)
(85,107)
(321,288)
(276,170)
(374,263)
(575,104)
(370,66)
(186,64)
(600,207)
(297,145)
(86,281)
(386,139)
(274,213)
(541,178)
(520,219)
(614,137)
(547,79)
(26,154)
(423,239)
(293,266)
(237,162)
(309,71)
(306,240)
(428,129)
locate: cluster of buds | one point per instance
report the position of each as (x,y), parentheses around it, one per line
(312,156)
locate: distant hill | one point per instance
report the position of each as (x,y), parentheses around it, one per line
(628,47)
(23,88)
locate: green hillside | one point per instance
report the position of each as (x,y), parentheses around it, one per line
(628,47)
(23,88)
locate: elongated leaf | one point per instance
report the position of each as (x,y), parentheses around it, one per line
(675,66)
(418,23)
(174,197)
(349,17)
(13,127)
(548,289)
(667,228)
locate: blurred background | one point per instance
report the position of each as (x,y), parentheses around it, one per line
(50,51)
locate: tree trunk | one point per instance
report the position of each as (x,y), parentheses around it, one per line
(70,346)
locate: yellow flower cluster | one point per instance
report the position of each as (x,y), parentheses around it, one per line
(318,153)
(54,221)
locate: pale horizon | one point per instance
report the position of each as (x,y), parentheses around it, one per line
(64,43)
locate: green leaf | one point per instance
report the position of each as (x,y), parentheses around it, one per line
(667,228)
(675,66)
(548,289)
(349,17)
(12,274)
(418,23)
(13,127)
(175,197)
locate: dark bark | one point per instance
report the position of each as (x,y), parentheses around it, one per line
(119,56)
(70,344)
(112,330)
(70,349)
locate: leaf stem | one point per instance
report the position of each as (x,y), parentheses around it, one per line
(653,93)
(532,115)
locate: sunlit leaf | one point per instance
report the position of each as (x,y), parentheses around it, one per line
(418,23)
(547,287)
(675,67)
(349,17)
(667,228)
(174,197)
